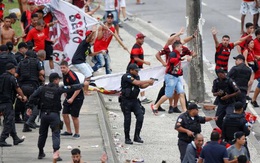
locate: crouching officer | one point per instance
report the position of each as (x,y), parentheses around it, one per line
(188,125)
(8,89)
(130,88)
(50,101)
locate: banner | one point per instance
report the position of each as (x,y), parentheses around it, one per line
(70,29)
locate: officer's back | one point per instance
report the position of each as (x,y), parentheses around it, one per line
(234,122)
(5,58)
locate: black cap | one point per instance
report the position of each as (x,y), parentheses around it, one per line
(239,56)
(54,76)
(3,48)
(31,53)
(9,66)
(22,45)
(220,70)
(133,66)
(192,106)
(110,15)
(238,105)
(13,15)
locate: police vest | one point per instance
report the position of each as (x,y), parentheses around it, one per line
(7,94)
(28,70)
(50,99)
(233,123)
(4,59)
(192,125)
(242,76)
(129,91)
(225,86)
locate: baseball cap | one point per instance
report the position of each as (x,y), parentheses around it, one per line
(220,70)
(218,130)
(140,35)
(239,56)
(88,32)
(13,16)
(110,15)
(22,45)
(133,66)
(192,106)
(54,76)
(9,66)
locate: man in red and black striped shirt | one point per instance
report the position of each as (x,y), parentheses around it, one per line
(137,57)
(223,49)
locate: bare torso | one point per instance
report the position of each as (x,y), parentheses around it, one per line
(7,35)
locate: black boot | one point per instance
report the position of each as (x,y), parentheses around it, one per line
(17,140)
(3,143)
(127,139)
(137,136)
(26,128)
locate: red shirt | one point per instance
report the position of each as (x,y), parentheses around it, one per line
(137,51)
(174,64)
(250,56)
(166,51)
(38,37)
(222,57)
(257,47)
(2,8)
(103,43)
(47,19)
(243,44)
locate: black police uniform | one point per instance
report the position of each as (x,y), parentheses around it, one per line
(241,75)
(8,85)
(232,123)
(130,103)
(191,123)
(28,72)
(50,99)
(4,59)
(228,86)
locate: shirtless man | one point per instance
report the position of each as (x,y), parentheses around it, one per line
(7,33)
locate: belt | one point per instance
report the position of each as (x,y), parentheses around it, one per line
(49,111)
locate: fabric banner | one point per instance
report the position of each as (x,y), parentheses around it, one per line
(112,82)
(70,29)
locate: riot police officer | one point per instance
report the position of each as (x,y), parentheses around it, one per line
(188,125)
(130,88)
(235,122)
(226,90)
(28,72)
(50,101)
(8,89)
(5,58)
(241,74)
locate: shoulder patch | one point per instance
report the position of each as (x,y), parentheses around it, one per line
(234,83)
(129,76)
(179,119)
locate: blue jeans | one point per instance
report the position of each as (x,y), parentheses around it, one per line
(173,83)
(102,60)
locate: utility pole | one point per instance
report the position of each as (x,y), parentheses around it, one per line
(196,76)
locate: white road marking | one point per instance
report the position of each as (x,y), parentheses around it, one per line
(204,4)
(234,18)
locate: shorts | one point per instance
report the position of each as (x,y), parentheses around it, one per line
(122,3)
(248,7)
(49,50)
(115,13)
(72,109)
(173,83)
(85,69)
(258,85)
